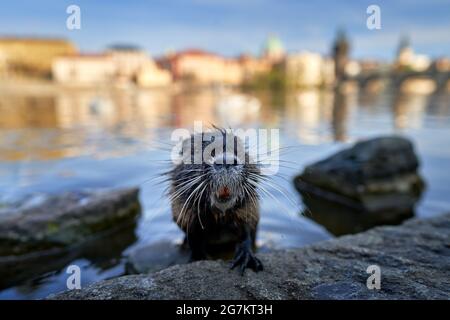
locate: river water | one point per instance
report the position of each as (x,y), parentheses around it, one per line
(78,139)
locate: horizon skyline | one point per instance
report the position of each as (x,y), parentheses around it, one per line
(181,50)
(232,27)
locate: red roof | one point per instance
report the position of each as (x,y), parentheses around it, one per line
(195,52)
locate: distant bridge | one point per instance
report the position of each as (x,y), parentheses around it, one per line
(397,78)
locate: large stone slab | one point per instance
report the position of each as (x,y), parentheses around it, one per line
(64,220)
(375,182)
(414,259)
(373,175)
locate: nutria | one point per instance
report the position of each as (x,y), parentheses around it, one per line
(214,197)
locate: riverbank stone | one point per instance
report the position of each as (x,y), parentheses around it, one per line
(374,182)
(59,221)
(413,259)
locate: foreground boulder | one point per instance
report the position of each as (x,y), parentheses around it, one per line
(414,260)
(374,176)
(64,220)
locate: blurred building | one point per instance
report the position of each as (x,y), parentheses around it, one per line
(352,68)
(307,69)
(439,65)
(273,49)
(341,52)
(134,65)
(151,75)
(198,67)
(408,60)
(370,66)
(84,69)
(119,65)
(128,60)
(31,57)
(3,64)
(252,66)
(232,73)
(405,53)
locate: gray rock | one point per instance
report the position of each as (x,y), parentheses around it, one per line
(381,167)
(374,176)
(414,259)
(64,220)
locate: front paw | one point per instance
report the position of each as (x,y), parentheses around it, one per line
(245,258)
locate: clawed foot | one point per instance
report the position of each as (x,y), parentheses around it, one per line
(245,258)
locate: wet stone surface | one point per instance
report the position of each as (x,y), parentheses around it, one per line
(414,260)
(64,220)
(375,182)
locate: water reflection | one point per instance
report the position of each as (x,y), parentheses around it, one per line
(408,110)
(341,219)
(78,122)
(309,112)
(102,253)
(341,110)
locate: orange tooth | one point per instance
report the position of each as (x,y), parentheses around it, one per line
(224,192)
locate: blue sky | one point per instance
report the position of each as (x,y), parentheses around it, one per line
(234,26)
